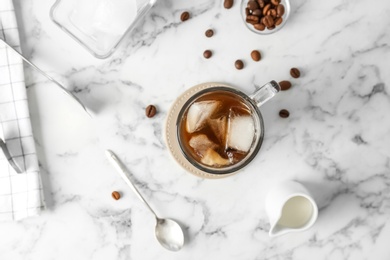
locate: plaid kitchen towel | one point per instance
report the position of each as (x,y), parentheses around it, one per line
(20,194)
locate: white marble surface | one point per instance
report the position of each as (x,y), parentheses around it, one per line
(336,140)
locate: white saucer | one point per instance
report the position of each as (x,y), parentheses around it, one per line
(171,132)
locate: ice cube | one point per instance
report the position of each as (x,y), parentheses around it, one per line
(212,158)
(241,131)
(198,113)
(219,127)
(201,143)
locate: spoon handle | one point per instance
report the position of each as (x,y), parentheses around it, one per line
(124,173)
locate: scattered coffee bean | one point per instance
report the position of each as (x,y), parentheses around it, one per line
(207,54)
(256,56)
(264,14)
(284,113)
(209,33)
(239,64)
(228,4)
(295,73)
(150,111)
(285,84)
(116,195)
(185,16)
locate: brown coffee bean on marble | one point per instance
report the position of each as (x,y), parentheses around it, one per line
(285,85)
(268,21)
(116,195)
(209,33)
(256,56)
(239,64)
(150,111)
(185,16)
(207,54)
(266,8)
(284,113)
(228,4)
(295,73)
(280,10)
(259,26)
(278,21)
(275,2)
(252,5)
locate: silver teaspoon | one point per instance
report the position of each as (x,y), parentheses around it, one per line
(168,232)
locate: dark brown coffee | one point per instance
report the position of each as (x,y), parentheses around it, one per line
(217,129)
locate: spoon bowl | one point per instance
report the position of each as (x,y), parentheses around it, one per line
(169,234)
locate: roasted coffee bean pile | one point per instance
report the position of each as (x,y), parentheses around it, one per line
(264,14)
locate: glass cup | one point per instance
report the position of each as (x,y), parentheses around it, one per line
(252,102)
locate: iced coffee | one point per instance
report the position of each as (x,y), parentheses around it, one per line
(218,129)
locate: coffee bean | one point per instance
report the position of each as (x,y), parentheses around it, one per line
(278,21)
(247,11)
(261,3)
(275,2)
(285,84)
(116,195)
(253,5)
(259,26)
(239,64)
(272,12)
(209,33)
(256,12)
(268,21)
(284,113)
(256,56)
(207,54)
(295,73)
(266,8)
(150,111)
(185,16)
(280,10)
(252,19)
(271,27)
(228,4)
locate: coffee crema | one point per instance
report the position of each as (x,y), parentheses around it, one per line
(218,129)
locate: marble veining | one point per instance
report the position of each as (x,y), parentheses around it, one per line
(336,140)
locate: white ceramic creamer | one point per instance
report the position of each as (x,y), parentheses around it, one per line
(290,208)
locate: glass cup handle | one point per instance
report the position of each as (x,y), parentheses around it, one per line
(265,93)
